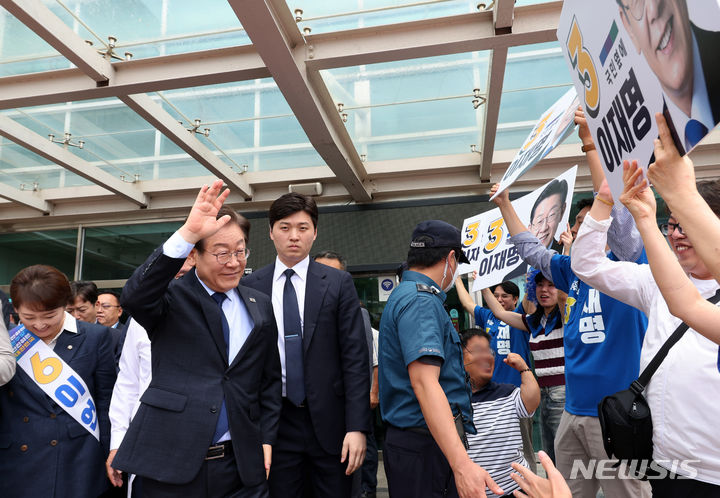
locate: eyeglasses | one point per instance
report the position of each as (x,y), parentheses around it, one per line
(224,257)
(669,228)
(106,306)
(549,219)
(481,351)
(636,8)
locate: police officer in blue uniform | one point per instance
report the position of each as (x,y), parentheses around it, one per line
(424,395)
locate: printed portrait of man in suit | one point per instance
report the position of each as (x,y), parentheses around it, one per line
(684,58)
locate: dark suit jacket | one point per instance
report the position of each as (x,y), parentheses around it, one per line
(708,43)
(169,437)
(336,355)
(118,339)
(60,457)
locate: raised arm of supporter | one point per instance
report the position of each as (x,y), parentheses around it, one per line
(7,359)
(566,239)
(510,317)
(467,302)
(470,478)
(681,296)
(529,388)
(617,279)
(623,238)
(673,177)
(529,247)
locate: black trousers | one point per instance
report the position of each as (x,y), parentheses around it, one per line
(300,467)
(218,478)
(415,467)
(683,488)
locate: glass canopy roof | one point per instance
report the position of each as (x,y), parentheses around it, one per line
(415,108)
(354,106)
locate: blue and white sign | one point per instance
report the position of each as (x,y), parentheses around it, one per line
(385,287)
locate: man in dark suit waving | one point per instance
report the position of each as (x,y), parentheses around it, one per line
(207,421)
(321,339)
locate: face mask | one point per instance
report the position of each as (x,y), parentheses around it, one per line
(455,275)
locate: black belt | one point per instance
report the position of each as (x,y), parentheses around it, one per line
(219,450)
(417,430)
(301,405)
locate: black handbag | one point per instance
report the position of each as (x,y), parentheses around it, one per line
(625,419)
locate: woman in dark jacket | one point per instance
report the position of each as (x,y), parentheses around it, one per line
(44,450)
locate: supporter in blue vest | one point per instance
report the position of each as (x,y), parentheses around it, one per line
(602,341)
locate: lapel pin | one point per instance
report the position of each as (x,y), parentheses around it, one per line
(252,299)
(69,346)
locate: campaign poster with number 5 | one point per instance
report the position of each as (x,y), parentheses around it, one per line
(544,211)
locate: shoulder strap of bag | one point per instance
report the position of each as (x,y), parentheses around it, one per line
(638,385)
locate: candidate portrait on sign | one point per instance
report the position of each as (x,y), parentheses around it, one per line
(547,211)
(685,59)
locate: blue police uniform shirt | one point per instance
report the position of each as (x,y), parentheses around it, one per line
(504,339)
(415,324)
(603,337)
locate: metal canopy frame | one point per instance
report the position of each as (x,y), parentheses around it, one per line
(279,50)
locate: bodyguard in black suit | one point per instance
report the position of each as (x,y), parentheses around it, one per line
(207,421)
(325,411)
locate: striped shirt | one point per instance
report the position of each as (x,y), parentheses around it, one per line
(548,351)
(497,409)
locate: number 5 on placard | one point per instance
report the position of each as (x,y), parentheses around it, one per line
(40,368)
(581,60)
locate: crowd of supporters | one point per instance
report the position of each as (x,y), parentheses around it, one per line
(220,384)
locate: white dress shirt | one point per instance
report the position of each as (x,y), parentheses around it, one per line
(132,380)
(684,391)
(69,325)
(299,281)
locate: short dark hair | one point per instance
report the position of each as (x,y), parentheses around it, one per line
(332,255)
(709,190)
(468,334)
(291,203)
(111,292)
(87,291)
(509,287)
(425,257)
(583,203)
(235,218)
(40,287)
(555,187)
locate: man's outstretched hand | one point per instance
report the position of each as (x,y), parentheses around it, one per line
(202,222)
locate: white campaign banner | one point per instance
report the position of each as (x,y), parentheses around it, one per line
(553,127)
(55,377)
(544,211)
(630,60)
